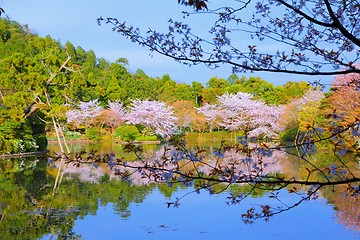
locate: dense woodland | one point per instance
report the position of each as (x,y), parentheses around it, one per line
(41,79)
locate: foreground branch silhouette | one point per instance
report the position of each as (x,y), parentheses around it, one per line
(250,165)
(312,37)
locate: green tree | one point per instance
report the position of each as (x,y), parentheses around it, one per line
(216,82)
(127,132)
(197,89)
(167,88)
(210,94)
(233,78)
(115,92)
(70,49)
(183,91)
(260,88)
(291,90)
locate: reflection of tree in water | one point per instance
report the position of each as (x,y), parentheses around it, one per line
(347,208)
(28,209)
(84,172)
(25,214)
(206,163)
(346,205)
(348,211)
(270,164)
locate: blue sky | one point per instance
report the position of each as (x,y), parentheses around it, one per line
(75,21)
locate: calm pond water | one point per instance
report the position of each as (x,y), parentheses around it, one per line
(94,205)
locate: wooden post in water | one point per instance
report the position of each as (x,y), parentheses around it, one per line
(63,156)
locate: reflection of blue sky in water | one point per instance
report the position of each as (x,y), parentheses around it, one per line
(208,217)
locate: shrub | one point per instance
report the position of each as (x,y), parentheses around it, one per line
(146,138)
(72,135)
(127,132)
(93,134)
(146,131)
(14,146)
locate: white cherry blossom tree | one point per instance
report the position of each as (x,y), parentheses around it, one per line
(154,114)
(241,112)
(84,112)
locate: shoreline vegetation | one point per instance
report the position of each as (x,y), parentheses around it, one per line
(189,137)
(112,140)
(24,155)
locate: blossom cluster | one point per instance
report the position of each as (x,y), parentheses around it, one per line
(241,112)
(153,114)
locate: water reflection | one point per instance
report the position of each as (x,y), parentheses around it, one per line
(92,203)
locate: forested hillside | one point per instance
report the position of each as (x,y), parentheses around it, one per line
(41,79)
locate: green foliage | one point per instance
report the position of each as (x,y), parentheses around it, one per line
(266,91)
(216,82)
(72,135)
(258,87)
(288,135)
(248,189)
(14,146)
(183,92)
(145,134)
(41,141)
(167,88)
(166,190)
(209,94)
(292,90)
(197,89)
(146,138)
(146,131)
(127,132)
(93,134)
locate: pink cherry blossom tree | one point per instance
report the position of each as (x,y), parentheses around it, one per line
(345,98)
(156,115)
(115,114)
(309,96)
(290,119)
(348,81)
